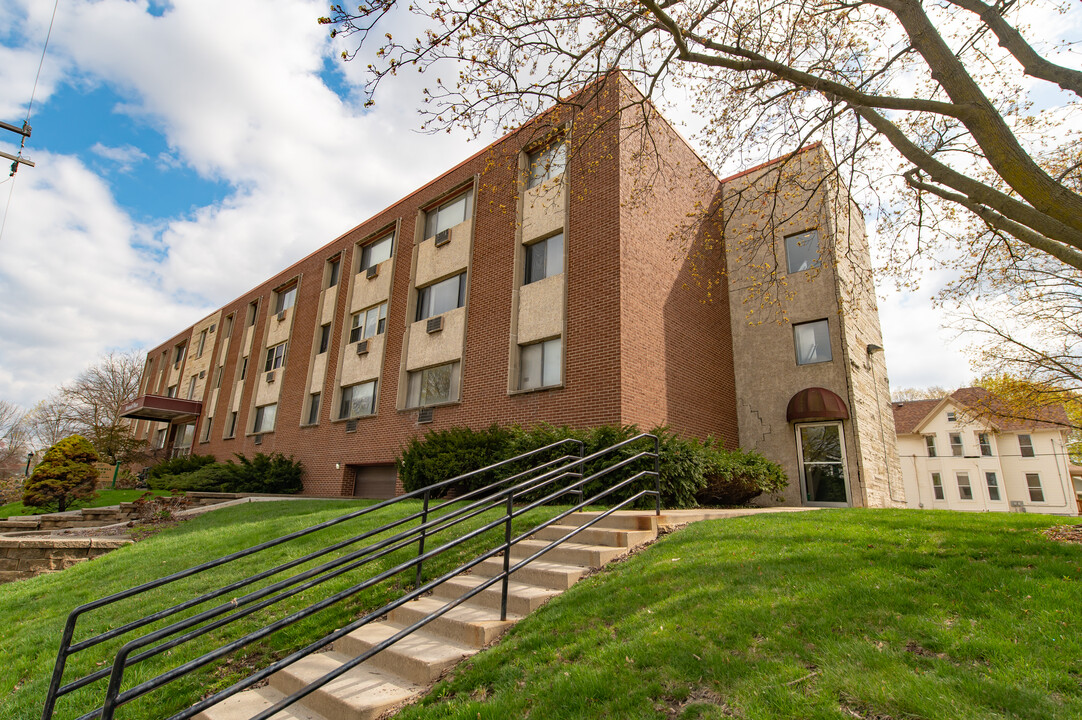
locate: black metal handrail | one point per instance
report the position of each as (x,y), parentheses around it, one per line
(500,492)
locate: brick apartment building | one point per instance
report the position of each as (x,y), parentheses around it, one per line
(532,283)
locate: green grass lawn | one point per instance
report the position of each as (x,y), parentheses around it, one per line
(880,615)
(104,498)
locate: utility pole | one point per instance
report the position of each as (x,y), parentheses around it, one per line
(17,159)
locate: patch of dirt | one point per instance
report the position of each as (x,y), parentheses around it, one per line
(916,649)
(698,696)
(1064,533)
(859,710)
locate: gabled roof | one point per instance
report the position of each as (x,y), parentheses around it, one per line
(911,416)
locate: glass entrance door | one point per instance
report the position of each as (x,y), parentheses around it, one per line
(823,478)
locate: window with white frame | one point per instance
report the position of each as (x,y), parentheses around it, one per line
(171,391)
(358,400)
(227,326)
(276,357)
(544,258)
(540,364)
(546,162)
(447,215)
(178,355)
(324,338)
(218,376)
(1025,445)
(243,367)
(284,299)
(822,464)
(802,251)
(376,252)
(957,449)
(929,443)
(965,490)
(433,386)
(993,485)
(191,386)
(1036,492)
(441,297)
(202,343)
(253,312)
(986,444)
(313,409)
(937,487)
(368,323)
(951,416)
(264,418)
(206,430)
(334,271)
(159,440)
(231,430)
(812,340)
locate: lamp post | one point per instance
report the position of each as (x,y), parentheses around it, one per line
(29,457)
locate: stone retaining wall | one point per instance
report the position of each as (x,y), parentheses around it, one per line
(22,558)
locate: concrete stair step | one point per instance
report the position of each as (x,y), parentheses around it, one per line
(11,524)
(363,693)
(468,624)
(522,599)
(610,537)
(541,573)
(621,520)
(243,706)
(420,658)
(569,553)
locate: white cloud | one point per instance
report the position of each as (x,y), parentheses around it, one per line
(126,157)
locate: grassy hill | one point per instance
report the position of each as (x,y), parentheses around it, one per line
(837,614)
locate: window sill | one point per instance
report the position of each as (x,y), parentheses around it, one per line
(353,419)
(558,386)
(261,432)
(415,408)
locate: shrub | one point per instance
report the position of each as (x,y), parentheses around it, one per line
(64,475)
(262,474)
(736,477)
(179,465)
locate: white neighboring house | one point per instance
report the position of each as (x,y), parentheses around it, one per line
(956,455)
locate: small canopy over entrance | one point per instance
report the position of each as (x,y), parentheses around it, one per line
(816,404)
(161,409)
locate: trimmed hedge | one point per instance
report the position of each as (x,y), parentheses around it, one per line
(262,474)
(688,467)
(179,465)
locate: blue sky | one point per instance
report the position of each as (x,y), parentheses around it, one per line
(166,133)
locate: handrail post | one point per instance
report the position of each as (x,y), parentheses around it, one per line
(421,542)
(582,451)
(657,474)
(58,669)
(506,556)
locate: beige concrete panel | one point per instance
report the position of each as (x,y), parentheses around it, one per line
(541,309)
(427,349)
(319,372)
(326,314)
(434,262)
(212,403)
(267,392)
(249,335)
(359,368)
(278,330)
(543,209)
(371,291)
(238,388)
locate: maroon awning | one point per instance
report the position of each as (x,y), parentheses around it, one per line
(160,409)
(816,404)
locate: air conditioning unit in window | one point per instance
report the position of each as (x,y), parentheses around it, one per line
(362,347)
(351,426)
(258,439)
(373,270)
(424,415)
(270,377)
(281,316)
(202,374)
(443,237)
(435,324)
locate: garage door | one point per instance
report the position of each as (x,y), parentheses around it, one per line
(374,481)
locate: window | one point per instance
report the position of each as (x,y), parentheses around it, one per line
(313,409)
(822,464)
(1025,445)
(264,418)
(218,376)
(253,309)
(540,364)
(244,367)
(227,327)
(929,442)
(178,355)
(206,430)
(324,338)
(993,485)
(449,214)
(202,343)
(368,323)
(952,416)
(284,299)
(957,450)
(276,357)
(547,162)
(376,252)
(334,270)
(440,297)
(171,391)
(937,487)
(544,259)
(432,386)
(812,342)
(1036,493)
(191,387)
(159,441)
(358,400)
(985,443)
(965,490)
(231,431)
(802,251)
